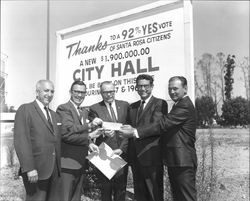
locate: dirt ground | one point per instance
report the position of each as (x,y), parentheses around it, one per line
(231,167)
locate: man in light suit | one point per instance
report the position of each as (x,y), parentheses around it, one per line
(37,144)
(77,133)
(179,128)
(145,156)
(112,110)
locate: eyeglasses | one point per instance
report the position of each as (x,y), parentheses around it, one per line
(146,86)
(108,92)
(79,92)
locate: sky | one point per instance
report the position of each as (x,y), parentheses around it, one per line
(219,26)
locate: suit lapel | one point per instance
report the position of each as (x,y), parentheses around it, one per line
(135,112)
(119,111)
(54,122)
(150,102)
(39,111)
(105,110)
(72,107)
(84,115)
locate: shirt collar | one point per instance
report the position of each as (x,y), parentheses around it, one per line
(41,105)
(180,99)
(74,104)
(147,100)
(112,104)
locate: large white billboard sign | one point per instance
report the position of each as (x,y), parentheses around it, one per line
(152,43)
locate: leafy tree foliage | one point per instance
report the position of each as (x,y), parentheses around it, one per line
(235,112)
(230,65)
(221,66)
(205,108)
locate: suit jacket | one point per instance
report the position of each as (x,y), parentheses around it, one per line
(74,136)
(36,144)
(147,148)
(101,111)
(179,127)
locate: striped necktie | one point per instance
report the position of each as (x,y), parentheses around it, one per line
(48,117)
(112,113)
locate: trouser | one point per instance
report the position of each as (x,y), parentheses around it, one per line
(42,190)
(116,187)
(182,181)
(69,185)
(148,182)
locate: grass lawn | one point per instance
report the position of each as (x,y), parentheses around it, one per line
(230,168)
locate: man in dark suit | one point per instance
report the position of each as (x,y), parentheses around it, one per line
(112,110)
(37,143)
(179,127)
(76,141)
(145,156)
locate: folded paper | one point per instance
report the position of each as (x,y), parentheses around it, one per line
(107,164)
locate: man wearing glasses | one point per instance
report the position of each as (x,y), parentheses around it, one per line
(77,133)
(145,155)
(112,110)
(178,128)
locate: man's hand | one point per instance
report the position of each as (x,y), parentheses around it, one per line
(96,122)
(117,152)
(94,148)
(127,131)
(32,176)
(96,133)
(109,133)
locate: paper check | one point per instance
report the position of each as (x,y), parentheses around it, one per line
(111,126)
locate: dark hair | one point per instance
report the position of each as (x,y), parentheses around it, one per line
(77,82)
(181,78)
(145,77)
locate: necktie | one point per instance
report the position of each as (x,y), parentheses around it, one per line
(79,110)
(112,113)
(48,117)
(140,109)
(80,113)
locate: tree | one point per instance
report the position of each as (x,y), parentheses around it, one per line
(205,108)
(235,111)
(230,65)
(205,64)
(245,68)
(209,77)
(198,84)
(221,65)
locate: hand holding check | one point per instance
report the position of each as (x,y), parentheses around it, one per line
(109,133)
(96,133)
(95,123)
(127,131)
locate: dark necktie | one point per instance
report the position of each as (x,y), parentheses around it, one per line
(80,113)
(112,113)
(48,118)
(140,109)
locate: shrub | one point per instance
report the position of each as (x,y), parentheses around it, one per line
(205,109)
(236,112)
(91,186)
